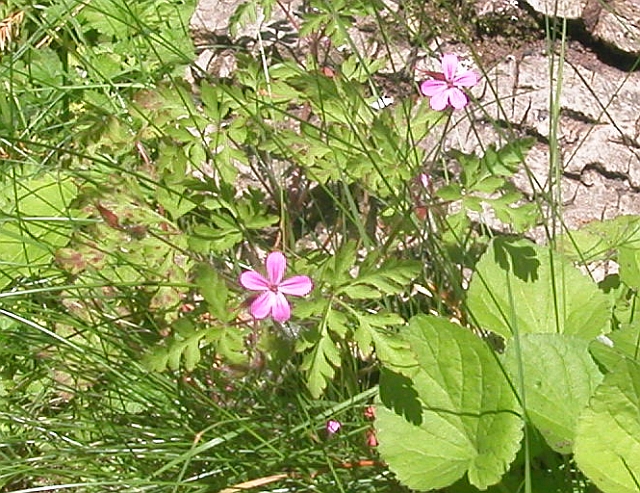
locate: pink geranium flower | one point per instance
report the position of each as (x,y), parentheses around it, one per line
(444,88)
(272,301)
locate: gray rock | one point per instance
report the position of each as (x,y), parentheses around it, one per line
(614,22)
(569,9)
(219,63)
(597,133)
(212,19)
(492,7)
(618,25)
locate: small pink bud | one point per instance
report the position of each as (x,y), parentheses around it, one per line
(424,180)
(372,441)
(333,426)
(370,412)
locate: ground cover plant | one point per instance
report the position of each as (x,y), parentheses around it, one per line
(281,280)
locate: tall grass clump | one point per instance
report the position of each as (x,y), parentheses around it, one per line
(278,280)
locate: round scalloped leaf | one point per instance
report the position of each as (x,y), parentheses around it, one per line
(559,378)
(518,284)
(457,415)
(607,447)
(27,246)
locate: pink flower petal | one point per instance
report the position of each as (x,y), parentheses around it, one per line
(439,101)
(296,286)
(253,281)
(424,180)
(466,79)
(263,305)
(457,98)
(432,87)
(449,66)
(276,265)
(333,426)
(280,308)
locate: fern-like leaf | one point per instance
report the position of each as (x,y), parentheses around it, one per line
(321,362)
(395,353)
(392,277)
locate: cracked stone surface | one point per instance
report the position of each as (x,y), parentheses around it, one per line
(211,20)
(599,151)
(619,25)
(569,9)
(613,22)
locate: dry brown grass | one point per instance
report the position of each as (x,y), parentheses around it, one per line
(9,28)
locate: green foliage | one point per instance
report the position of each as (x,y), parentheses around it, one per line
(119,25)
(520,288)
(353,145)
(389,278)
(334,18)
(483,181)
(321,359)
(457,415)
(131,200)
(615,239)
(187,342)
(214,291)
(36,220)
(551,366)
(600,240)
(191,334)
(606,446)
(622,344)
(341,321)
(230,222)
(559,378)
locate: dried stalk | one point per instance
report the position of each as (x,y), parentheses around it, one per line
(9,28)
